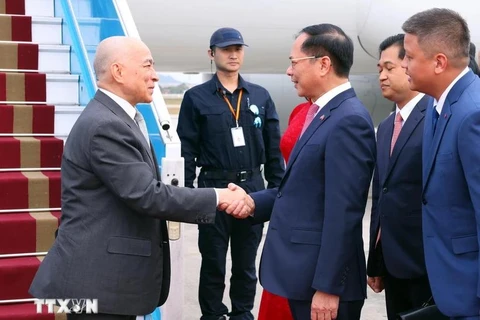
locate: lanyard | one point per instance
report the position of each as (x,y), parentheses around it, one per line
(239,101)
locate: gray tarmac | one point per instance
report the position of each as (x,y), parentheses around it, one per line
(374,308)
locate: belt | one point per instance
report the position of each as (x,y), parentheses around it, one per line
(229,175)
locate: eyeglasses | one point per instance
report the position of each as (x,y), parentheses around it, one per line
(294,61)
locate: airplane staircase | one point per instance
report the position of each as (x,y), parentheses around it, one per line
(36,87)
(46,77)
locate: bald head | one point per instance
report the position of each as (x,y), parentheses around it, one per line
(124,66)
(112,50)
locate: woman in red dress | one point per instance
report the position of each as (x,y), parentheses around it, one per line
(273,307)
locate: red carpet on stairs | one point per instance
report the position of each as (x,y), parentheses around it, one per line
(36,189)
(27,311)
(16,28)
(27,118)
(23,87)
(26,232)
(12,7)
(25,155)
(30,152)
(19,56)
(17,275)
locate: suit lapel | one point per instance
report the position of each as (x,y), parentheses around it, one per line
(384,142)
(409,126)
(320,118)
(427,139)
(119,112)
(437,138)
(430,151)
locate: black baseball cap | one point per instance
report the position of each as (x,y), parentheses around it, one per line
(225,37)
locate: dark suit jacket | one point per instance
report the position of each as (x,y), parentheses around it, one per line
(396,199)
(314,239)
(112,243)
(451,200)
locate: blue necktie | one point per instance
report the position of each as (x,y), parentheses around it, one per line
(435,116)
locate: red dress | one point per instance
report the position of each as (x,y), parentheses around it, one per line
(273,307)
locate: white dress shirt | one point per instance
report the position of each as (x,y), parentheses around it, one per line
(408,108)
(439,104)
(124,104)
(329,95)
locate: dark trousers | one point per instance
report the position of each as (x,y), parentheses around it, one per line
(347,310)
(213,243)
(99,316)
(405,294)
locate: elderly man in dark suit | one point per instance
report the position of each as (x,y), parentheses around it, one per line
(112,243)
(396,259)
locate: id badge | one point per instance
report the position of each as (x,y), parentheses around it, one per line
(237,136)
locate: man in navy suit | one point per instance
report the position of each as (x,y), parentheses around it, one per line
(437,44)
(313,254)
(395,259)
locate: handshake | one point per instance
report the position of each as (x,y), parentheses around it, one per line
(235,201)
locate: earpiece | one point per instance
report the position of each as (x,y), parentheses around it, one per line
(213,54)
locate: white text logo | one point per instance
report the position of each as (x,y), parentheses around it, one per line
(68,305)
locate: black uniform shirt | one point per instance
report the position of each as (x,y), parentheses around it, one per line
(204,128)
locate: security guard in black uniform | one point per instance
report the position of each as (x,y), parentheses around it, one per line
(229,127)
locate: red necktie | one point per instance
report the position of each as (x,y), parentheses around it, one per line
(312,111)
(397,127)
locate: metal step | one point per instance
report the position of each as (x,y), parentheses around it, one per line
(40,8)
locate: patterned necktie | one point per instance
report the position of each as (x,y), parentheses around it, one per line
(397,127)
(142,125)
(435,116)
(312,110)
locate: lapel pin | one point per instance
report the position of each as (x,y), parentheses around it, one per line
(322,117)
(445,116)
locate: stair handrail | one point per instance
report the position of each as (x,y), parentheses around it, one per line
(12,301)
(159,108)
(171,166)
(79,47)
(22,255)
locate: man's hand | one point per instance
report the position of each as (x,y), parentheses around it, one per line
(324,306)
(376,283)
(235,201)
(236,210)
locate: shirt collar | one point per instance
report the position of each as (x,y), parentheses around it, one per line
(216,84)
(439,104)
(408,108)
(124,104)
(329,95)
